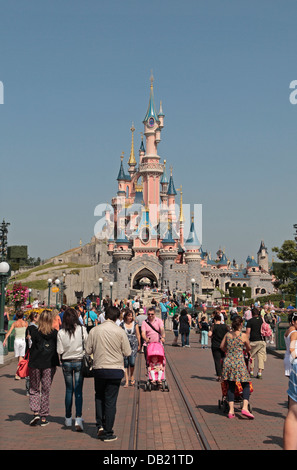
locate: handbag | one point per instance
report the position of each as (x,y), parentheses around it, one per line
(23,366)
(87,362)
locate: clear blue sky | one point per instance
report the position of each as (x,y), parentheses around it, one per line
(76,74)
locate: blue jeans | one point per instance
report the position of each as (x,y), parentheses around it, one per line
(185,339)
(74,384)
(204,338)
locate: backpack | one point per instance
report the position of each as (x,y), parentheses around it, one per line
(90,322)
(265,329)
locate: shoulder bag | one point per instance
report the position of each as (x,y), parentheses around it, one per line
(87,362)
(23,366)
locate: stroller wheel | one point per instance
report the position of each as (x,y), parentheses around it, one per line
(220,404)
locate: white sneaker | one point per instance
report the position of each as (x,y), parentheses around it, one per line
(79,424)
(68,422)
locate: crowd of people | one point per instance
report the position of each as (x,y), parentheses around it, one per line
(62,338)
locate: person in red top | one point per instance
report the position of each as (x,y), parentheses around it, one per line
(152,330)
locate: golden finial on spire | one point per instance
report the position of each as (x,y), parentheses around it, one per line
(122,156)
(171,170)
(181,212)
(132,160)
(152,79)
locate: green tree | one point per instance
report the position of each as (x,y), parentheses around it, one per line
(286,271)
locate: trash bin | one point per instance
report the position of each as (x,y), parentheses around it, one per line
(280,331)
(10,342)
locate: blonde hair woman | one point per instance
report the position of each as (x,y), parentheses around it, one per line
(42,363)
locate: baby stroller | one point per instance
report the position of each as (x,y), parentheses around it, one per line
(156,350)
(238,399)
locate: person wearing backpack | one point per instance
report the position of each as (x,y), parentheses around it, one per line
(91,319)
(43,360)
(257,342)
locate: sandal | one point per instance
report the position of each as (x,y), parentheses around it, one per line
(132,382)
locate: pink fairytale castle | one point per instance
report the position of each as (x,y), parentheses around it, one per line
(144,228)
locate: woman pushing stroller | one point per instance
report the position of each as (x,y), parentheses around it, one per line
(234,366)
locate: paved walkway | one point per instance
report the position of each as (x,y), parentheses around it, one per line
(161,428)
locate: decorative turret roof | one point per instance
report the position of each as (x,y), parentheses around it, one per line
(171,189)
(122,175)
(223,261)
(151,110)
(192,240)
(160,113)
(252,263)
(262,247)
(142,149)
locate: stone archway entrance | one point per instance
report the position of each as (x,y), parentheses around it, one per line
(144,277)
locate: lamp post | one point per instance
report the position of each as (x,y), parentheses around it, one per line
(100,292)
(57,282)
(193,294)
(243,295)
(29,300)
(62,288)
(49,283)
(111,284)
(4,275)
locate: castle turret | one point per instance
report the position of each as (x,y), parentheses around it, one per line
(171,193)
(168,254)
(262,257)
(122,254)
(193,259)
(150,167)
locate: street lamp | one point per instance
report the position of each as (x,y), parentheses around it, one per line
(57,282)
(29,300)
(111,284)
(62,288)
(49,283)
(4,275)
(243,294)
(193,295)
(100,292)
